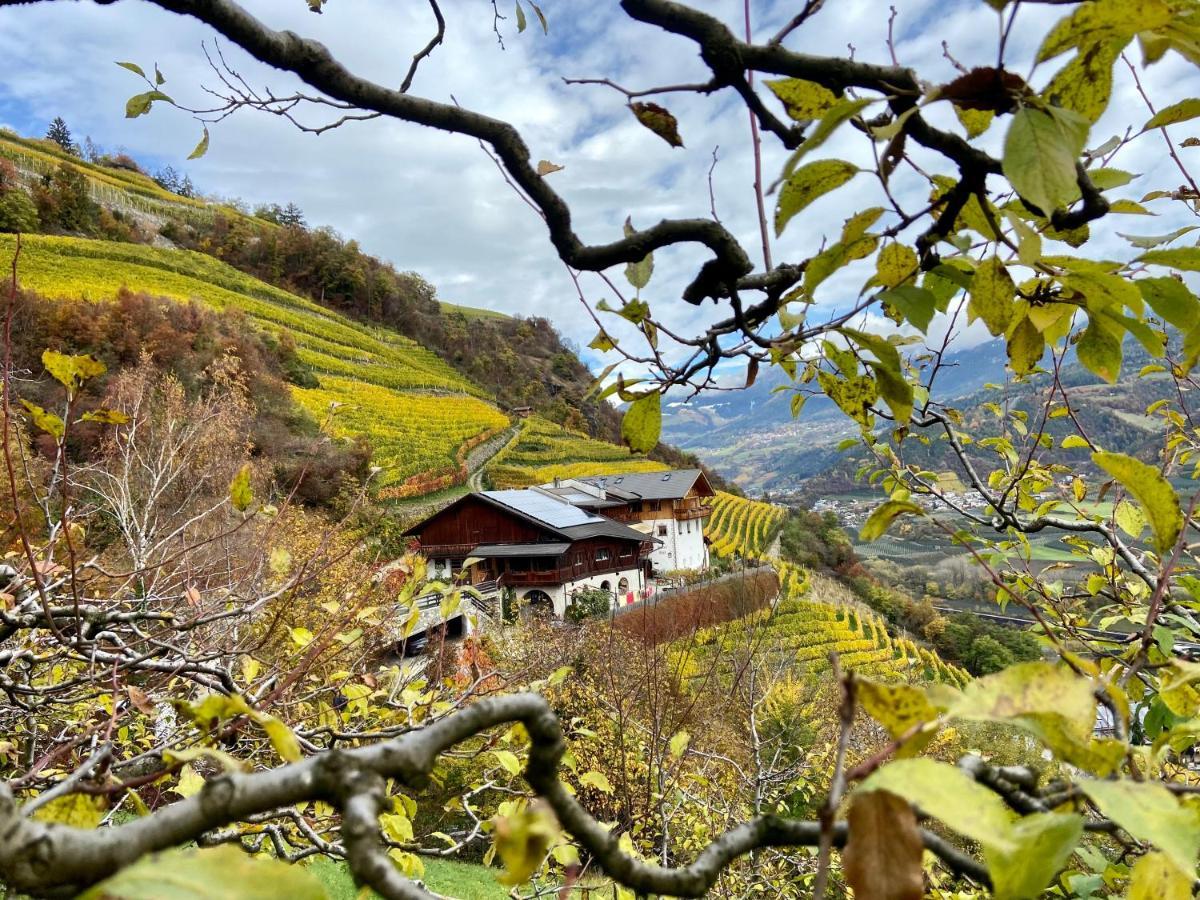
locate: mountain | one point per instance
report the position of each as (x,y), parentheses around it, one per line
(751,437)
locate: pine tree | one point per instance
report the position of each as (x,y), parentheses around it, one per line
(61,135)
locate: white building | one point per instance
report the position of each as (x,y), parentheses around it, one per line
(668,506)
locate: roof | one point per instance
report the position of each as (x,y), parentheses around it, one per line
(547,512)
(492,551)
(670,485)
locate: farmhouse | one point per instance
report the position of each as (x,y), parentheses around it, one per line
(669,506)
(541,546)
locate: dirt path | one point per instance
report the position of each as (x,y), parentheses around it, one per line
(483,454)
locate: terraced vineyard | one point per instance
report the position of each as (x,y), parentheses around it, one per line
(376,382)
(544,451)
(806,631)
(745,527)
(109,186)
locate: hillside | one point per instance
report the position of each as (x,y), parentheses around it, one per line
(374,354)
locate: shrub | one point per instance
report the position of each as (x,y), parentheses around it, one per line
(17,211)
(589,603)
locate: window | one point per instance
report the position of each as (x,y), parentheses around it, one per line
(626,552)
(579,559)
(601,555)
(662,530)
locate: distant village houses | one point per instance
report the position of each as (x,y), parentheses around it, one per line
(547,543)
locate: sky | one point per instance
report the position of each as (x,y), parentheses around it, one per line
(436,204)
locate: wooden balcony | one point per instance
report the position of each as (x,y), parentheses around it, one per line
(683,513)
(535,577)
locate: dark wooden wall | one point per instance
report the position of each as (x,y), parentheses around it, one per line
(475,522)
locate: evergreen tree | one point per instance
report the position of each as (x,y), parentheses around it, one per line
(61,135)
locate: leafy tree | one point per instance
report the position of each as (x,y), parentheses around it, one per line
(589,603)
(957,232)
(65,203)
(61,135)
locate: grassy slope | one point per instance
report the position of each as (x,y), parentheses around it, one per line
(544,451)
(416,410)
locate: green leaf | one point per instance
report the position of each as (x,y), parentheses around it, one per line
(202,147)
(508,760)
(523,839)
(139,104)
(520,18)
(899,708)
(916,304)
(241,494)
(992,295)
(1040,151)
(1084,84)
(47,421)
(679,743)
(1043,843)
(76,810)
(212,874)
(1026,346)
(1102,21)
(1171,301)
(132,67)
(808,183)
(1156,877)
(282,738)
(106,417)
(72,371)
(1129,519)
(1151,813)
(975,121)
(882,517)
(949,795)
(1152,491)
(896,265)
(804,100)
(602,342)
(840,112)
(642,423)
(1099,350)
(537,11)
(1177,112)
(597,780)
(1036,688)
(659,120)
(638,273)
(1023,855)
(159,78)
(1186,259)
(1148,241)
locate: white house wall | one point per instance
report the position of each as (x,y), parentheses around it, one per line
(559,594)
(682,546)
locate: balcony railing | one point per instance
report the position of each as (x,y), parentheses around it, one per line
(692,512)
(542,576)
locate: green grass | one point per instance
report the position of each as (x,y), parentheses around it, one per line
(451,878)
(472,312)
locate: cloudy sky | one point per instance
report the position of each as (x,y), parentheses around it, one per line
(435,203)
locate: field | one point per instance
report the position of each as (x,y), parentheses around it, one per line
(544,451)
(807,625)
(745,527)
(414,407)
(110,186)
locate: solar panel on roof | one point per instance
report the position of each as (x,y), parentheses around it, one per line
(551,510)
